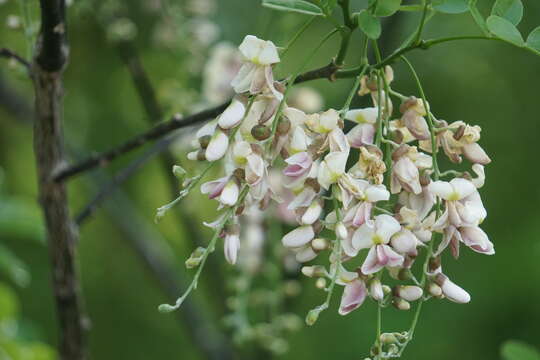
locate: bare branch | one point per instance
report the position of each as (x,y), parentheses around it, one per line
(49,63)
(9,54)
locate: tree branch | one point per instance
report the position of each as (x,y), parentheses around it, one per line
(9,54)
(48,66)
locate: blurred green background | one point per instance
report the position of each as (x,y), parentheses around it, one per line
(486,83)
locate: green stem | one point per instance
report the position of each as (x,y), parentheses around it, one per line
(426,4)
(296,36)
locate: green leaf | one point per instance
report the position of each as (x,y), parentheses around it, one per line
(505,30)
(452,6)
(9,306)
(511,10)
(533,41)
(369,24)
(477,16)
(387,7)
(517,350)
(15,269)
(298,6)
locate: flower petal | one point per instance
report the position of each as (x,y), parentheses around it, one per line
(298,237)
(353,296)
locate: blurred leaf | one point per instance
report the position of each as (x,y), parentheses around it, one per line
(452,6)
(517,350)
(533,41)
(369,24)
(505,30)
(8,303)
(13,267)
(387,7)
(511,10)
(477,16)
(298,6)
(20,219)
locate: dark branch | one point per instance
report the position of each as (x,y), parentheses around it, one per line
(6,53)
(47,69)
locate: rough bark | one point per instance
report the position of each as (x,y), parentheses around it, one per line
(47,69)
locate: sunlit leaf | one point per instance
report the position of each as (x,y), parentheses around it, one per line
(511,10)
(369,24)
(517,350)
(298,6)
(387,7)
(452,6)
(505,30)
(533,41)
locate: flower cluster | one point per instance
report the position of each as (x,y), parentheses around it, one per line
(363,185)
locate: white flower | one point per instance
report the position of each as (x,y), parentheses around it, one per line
(332,168)
(353,296)
(232,115)
(218,146)
(231,247)
(298,237)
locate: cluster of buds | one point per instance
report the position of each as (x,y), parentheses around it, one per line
(363,185)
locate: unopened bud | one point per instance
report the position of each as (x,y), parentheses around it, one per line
(434,263)
(204,141)
(201,155)
(284,126)
(195,257)
(386,289)
(401,304)
(409,293)
(341,231)
(320,283)
(312,316)
(261,132)
(388,338)
(452,291)
(404,274)
(376,290)
(179,172)
(192,155)
(314,271)
(434,290)
(459,132)
(319,244)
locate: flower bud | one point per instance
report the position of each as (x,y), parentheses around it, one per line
(434,290)
(261,132)
(452,291)
(434,264)
(312,316)
(376,290)
(284,126)
(312,213)
(401,304)
(388,338)
(320,283)
(409,293)
(204,141)
(319,244)
(195,258)
(341,231)
(179,172)
(404,274)
(314,271)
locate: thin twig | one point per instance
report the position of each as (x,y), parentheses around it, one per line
(9,54)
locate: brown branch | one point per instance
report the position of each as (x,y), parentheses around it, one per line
(9,54)
(162,129)
(49,63)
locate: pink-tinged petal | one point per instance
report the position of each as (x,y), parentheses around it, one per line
(363,237)
(372,264)
(232,115)
(231,247)
(408,174)
(475,154)
(386,226)
(376,193)
(304,199)
(255,169)
(477,240)
(388,257)
(462,187)
(361,135)
(353,296)
(217,147)
(452,291)
(441,189)
(338,141)
(269,76)
(404,242)
(298,237)
(305,254)
(230,193)
(376,290)
(416,125)
(215,187)
(299,164)
(362,214)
